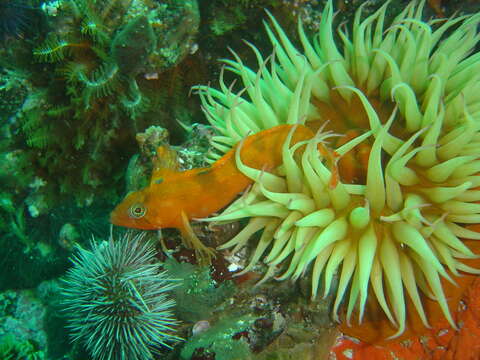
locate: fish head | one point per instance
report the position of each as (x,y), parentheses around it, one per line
(138,211)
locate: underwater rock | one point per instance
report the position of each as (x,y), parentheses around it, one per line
(137,174)
(156,153)
(199,294)
(223,340)
(13,92)
(77,80)
(21,316)
(15,170)
(192,152)
(151,139)
(200,327)
(176,26)
(132,45)
(37,204)
(68,236)
(140,165)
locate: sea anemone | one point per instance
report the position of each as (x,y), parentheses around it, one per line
(382,193)
(118,301)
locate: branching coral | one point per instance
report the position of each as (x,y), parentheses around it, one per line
(385,205)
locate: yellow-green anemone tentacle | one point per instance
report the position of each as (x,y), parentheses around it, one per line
(411,92)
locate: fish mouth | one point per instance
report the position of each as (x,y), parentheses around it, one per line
(117,218)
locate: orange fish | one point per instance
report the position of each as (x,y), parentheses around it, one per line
(175,197)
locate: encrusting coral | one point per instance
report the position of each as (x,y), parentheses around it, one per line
(387,200)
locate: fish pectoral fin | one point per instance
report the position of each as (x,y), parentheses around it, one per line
(190,240)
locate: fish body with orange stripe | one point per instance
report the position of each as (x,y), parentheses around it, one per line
(200,192)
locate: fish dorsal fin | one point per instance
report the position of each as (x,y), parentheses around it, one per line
(165,164)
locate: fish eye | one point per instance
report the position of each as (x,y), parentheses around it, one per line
(137,211)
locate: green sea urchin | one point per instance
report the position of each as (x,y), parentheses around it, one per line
(396,224)
(117,300)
